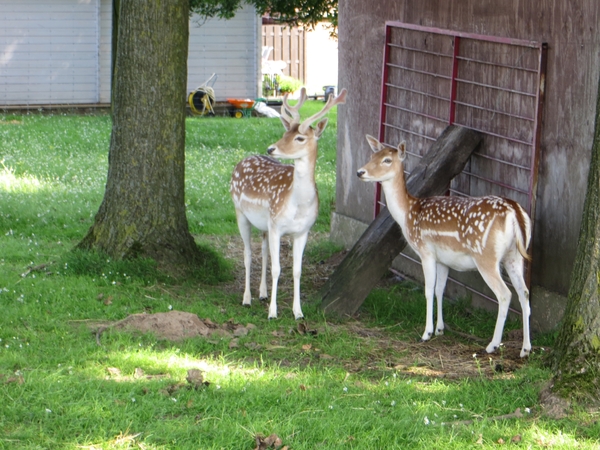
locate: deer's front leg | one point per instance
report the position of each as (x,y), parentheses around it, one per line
(274,244)
(429,271)
(299,244)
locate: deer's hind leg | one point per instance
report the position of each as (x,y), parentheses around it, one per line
(245,228)
(440,285)
(514,267)
(265,261)
(491,275)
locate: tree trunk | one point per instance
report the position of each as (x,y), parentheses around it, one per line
(576,355)
(369,259)
(143,210)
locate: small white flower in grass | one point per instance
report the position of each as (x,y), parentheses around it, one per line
(132,399)
(528,411)
(393,403)
(330,406)
(345,389)
(387,384)
(444,402)
(170,307)
(48,411)
(474,355)
(426,420)
(174,400)
(218,387)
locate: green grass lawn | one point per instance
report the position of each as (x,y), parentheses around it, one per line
(364,383)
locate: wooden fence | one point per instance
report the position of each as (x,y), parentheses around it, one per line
(289,45)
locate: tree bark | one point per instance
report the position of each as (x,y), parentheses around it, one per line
(143,210)
(369,259)
(576,354)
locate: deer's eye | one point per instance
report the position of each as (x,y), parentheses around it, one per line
(300,139)
(387,161)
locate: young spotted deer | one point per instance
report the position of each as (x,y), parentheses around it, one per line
(281,199)
(459,233)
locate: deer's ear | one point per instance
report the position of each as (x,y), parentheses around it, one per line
(320,127)
(286,124)
(374,143)
(402,150)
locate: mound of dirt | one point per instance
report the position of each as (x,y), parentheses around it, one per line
(176,325)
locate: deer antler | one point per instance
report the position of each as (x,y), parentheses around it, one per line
(331,102)
(294,111)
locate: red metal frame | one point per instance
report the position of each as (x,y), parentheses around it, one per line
(458,60)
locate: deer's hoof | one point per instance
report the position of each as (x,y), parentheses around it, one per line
(263,299)
(439,332)
(426,337)
(491,348)
(525,352)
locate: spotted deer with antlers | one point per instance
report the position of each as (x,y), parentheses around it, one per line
(462,233)
(281,199)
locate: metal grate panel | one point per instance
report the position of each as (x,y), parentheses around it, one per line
(433,78)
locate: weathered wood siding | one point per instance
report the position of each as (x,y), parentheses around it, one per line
(569,28)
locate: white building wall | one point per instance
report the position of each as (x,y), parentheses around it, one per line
(49,52)
(58,52)
(321,60)
(105,51)
(229,48)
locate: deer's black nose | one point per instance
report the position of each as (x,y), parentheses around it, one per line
(360,173)
(270,150)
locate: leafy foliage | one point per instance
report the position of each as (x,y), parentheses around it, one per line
(296,12)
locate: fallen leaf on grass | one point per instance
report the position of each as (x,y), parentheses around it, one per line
(303,329)
(252,346)
(240,331)
(306,347)
(480,440)
(113,371)
(275,347)
(195,378)
(18,379)
(516,439)
(263,443)
(501,441)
